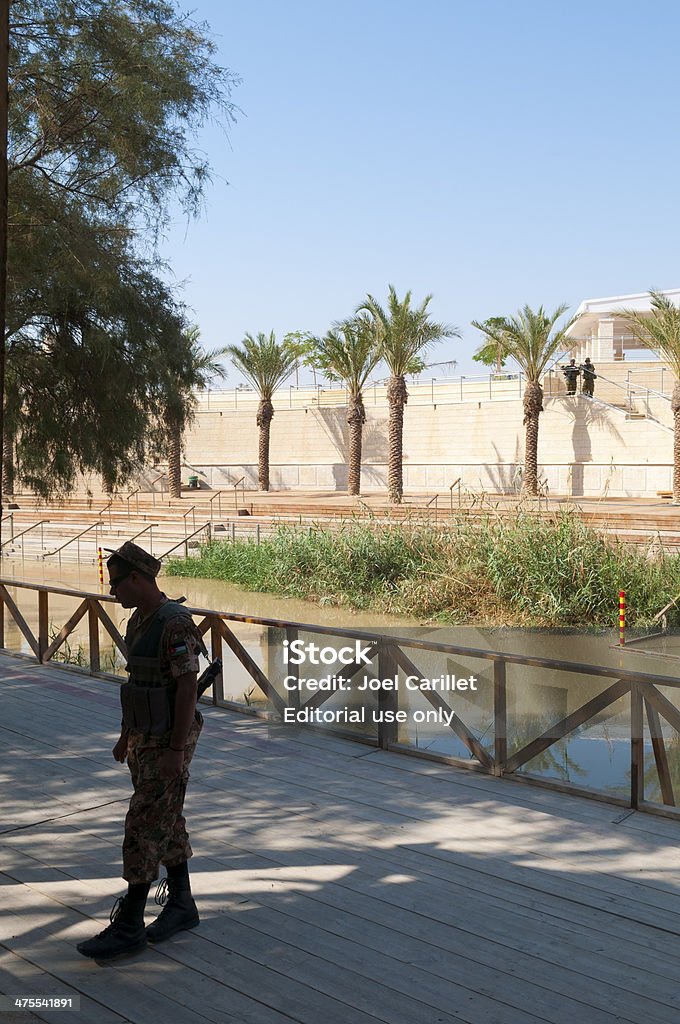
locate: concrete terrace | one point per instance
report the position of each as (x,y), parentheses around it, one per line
(337,883)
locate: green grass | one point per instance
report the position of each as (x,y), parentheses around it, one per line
(517,571)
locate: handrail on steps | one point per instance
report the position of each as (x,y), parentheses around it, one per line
(190,511)
(22,532)
(243,491)
(132,495)
(155,480)
(10,516)
(148,528)
(217,495)
(57,551)
(456,483)
(107,508)
(185,543)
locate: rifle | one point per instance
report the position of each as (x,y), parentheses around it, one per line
(210,674)
(208,677)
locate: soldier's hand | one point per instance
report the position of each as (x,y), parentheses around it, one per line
(172,763)
(120,750)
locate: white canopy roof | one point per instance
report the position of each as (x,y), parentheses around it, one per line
(591,311)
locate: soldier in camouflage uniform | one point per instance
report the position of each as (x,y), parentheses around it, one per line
(158,737)
(572,374)
(589,377)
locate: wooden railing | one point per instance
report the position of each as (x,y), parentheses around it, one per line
(488,749)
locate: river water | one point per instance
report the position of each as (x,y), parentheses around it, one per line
(596,756)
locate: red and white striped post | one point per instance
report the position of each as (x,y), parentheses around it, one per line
(100,560)
(622,616)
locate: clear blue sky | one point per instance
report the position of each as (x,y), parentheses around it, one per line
(488,152)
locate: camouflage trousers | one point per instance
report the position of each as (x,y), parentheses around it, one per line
(155,829)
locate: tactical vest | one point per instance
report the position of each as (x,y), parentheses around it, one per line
(148,697)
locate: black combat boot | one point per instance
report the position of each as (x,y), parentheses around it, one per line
(123,937)
(179,913)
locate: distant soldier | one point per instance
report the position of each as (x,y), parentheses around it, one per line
(589,377)
(571,373)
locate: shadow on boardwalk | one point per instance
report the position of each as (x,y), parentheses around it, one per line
(336,883)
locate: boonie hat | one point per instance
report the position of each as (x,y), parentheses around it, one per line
(137,557)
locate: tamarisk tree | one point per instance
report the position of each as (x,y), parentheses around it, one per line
(106,98)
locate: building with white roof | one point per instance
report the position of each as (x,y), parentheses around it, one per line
(603,334)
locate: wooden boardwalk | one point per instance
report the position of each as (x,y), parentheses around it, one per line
(338,884)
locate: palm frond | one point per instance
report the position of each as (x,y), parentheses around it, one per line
(349,352)
(528,337)
(264,362)
(405,332)
(660,331)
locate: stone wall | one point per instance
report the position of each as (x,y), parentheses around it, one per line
(584,448)
(469,429)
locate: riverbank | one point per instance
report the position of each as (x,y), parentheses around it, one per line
(522,571)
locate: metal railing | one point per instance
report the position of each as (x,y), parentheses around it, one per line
(432,391)
(10,516)
(423,392)
(240,483)
(633,391)
(107,508)
(147,529)
(133,494)
(161,476)
(456,483)
(630,394)
(495,741)
(218,495)
(189,512)
(663,373)
(434,500)
(22,534)
(76,540)
(206,527)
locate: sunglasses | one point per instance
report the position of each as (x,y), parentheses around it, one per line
(119,579)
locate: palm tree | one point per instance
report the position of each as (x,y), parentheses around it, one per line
(348,354)
(661,333)
(189,369)
(404,335)
(266,365)
(529,339)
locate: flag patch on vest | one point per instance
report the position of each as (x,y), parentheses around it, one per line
(178,650)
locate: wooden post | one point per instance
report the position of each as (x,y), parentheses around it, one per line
(216,651)
(388,699)
(500,715)
(637,749)
(43,624)
(660,755)
(93,626)
(292,696)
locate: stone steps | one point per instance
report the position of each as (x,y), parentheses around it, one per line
(171,525)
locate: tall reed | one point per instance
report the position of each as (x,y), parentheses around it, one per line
(520,570)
